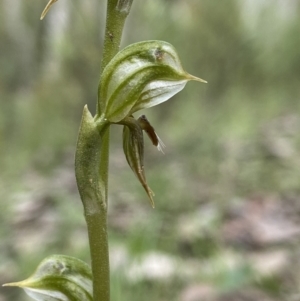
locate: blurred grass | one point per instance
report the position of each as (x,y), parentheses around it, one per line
(231,142)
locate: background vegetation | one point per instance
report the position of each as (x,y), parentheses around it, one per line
(226,223)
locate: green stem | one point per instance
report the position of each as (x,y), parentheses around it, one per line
(117,11)
(92,186)
(92,158)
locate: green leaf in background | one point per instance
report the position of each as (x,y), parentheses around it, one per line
(140,76)
(59,278)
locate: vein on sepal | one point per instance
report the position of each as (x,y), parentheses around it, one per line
(59,278)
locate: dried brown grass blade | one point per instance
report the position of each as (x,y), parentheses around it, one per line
(50,3)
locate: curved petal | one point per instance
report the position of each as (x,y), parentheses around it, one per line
(140,76)
(59,278)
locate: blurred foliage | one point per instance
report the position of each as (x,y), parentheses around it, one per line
(227,190)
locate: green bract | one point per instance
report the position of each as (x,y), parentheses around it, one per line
(59,278)
(142,75)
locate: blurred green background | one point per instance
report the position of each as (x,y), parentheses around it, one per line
(227,221)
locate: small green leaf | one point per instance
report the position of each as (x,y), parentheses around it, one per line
(133,146)
(59,278)
(142,75)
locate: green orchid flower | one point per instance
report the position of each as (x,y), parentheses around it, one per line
(140,76)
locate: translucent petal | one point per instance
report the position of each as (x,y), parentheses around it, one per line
(45,295)
(157,92)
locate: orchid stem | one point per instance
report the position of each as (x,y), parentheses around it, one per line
(92,158)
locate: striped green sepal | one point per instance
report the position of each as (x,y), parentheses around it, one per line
(142,75)
(59,278)
(133,146)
